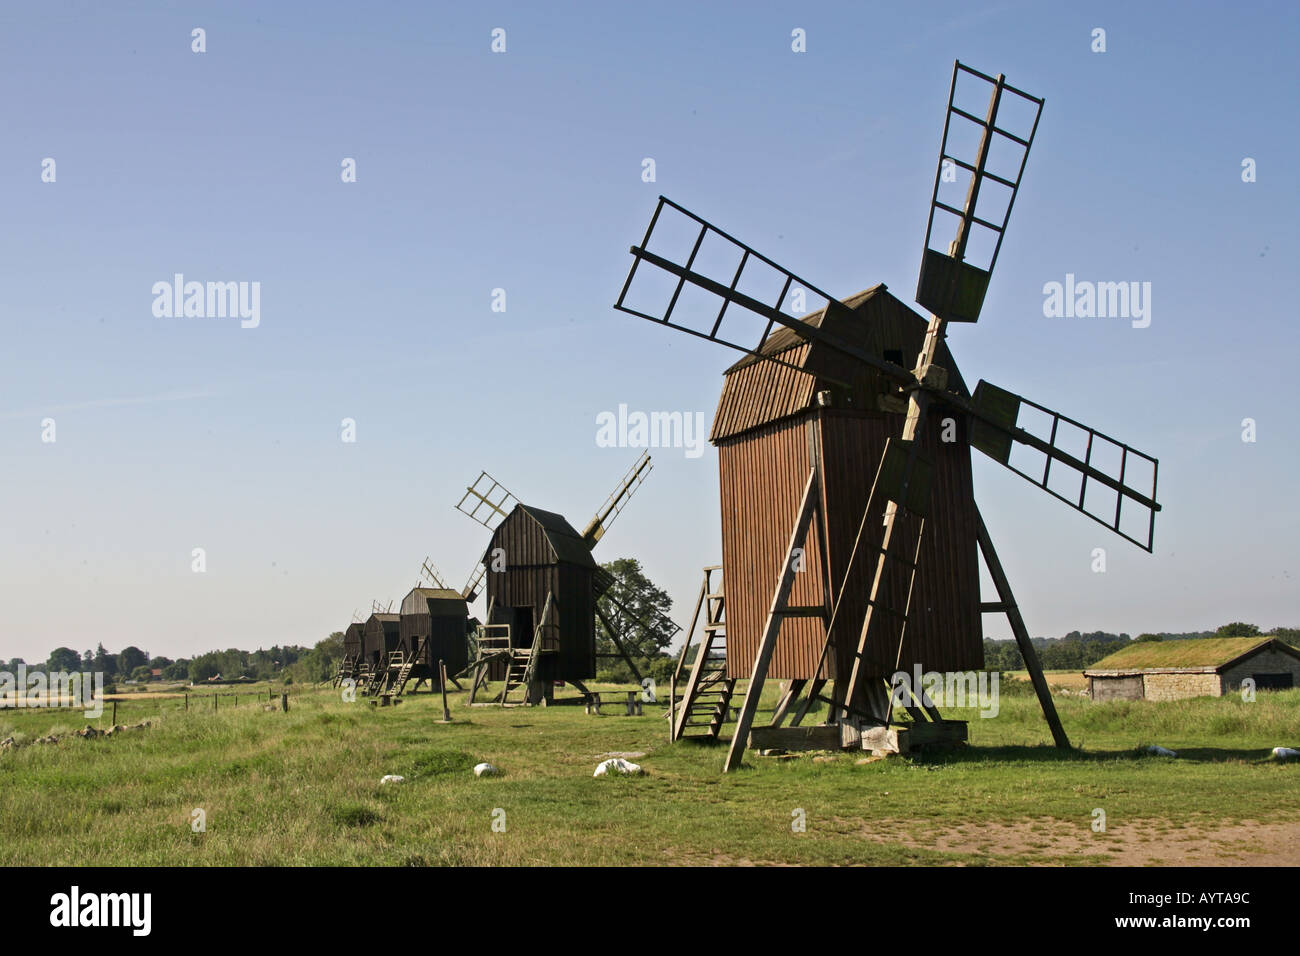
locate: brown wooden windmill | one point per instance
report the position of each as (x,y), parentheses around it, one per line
(544,590)
(851,535)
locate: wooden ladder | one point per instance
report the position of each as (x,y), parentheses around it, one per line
(706,700)
(378,674)
(408,665)
(523,660)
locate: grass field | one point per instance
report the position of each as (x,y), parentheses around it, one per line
(303,787)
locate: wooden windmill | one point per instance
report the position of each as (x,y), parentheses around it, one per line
(851,536)
(432,632)
(350,666)
(543,590)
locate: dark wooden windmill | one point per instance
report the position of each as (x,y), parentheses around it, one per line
(433,632)
(851,536)
(379,638)
(350,666)
(543,590)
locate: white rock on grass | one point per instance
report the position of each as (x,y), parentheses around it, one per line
(392,778)
(1286,753)
(1160,751)
(618,764)
(485,770)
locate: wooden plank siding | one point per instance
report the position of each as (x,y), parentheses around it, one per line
(440,616)
(352,639)
(762,479)
(761,431)
(532,569)
(380,636)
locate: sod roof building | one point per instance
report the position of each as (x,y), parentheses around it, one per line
(1210,667)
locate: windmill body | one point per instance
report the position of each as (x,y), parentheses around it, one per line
(771,421)
(433,627)
(541,555)
(379,639)
(350,666)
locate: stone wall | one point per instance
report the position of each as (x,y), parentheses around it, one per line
(1181,686)
(1115,688)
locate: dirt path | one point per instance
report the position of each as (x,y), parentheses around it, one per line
(1144,843)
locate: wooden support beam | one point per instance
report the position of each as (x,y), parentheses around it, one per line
(612,631)
(789,697)
(1021,633)
(814,694)
(767,643)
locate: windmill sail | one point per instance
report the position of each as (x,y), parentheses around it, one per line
(740,275)
(487,501)
(617,500)
(1091,472)
(430,577)
(948,285)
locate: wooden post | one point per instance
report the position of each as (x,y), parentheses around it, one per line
(442,673)
(775,615)
(284,703)
(214,702)
(789,697)
(187,702)
(1022,634)
(113,722)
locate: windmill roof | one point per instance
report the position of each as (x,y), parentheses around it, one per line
(1202,654)
(757,392)
(434,594)
(568,545)
(783,337)
(439,601)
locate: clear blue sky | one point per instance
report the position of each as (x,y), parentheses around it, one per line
(523,171)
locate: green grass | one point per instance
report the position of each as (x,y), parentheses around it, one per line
(303,787)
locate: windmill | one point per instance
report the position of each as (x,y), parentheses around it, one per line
(433,626)
(350,665)
(884,526)
(357,664)
(544,590)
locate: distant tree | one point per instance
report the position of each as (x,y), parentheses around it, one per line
(1290,635)
(177,670)
(646,632)
(1237,629)
(63,659)
(142,673)
(104,662)
(130,658)
(1143,638)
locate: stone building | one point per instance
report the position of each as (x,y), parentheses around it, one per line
(1211,667)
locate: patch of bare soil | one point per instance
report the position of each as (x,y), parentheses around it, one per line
(1143,843)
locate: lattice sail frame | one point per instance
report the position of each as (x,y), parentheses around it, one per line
(618,499)
(430,576)
(947,285)
(486,511)
(995,429)
(730,294)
